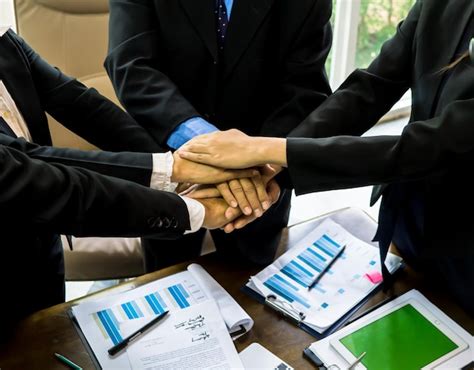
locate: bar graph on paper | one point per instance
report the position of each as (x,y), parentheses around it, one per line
(176,296)
(345,283)
(295,276)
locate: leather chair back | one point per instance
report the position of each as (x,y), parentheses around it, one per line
(71,35)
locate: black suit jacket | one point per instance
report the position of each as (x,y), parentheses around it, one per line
(45,191)
(436,149)
(164,63)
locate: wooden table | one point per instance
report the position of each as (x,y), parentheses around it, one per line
(48,331)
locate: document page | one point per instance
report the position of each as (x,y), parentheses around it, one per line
(107,321)
(193,338)
(350,279)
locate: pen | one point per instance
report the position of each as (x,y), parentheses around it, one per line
(125,342)
(370,309)
(357,360)
(68,362)
(326,269)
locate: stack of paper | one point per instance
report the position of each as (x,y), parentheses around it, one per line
(352,277)
(107,321)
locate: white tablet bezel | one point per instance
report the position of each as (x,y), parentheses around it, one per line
(437,322)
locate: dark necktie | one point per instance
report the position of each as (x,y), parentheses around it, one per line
(222,23)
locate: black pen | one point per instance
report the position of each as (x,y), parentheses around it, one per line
(326,269)
(125,342)
(371,309)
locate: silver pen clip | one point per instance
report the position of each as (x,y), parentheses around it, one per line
(285,308)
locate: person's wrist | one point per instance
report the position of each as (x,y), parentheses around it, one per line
(270,151)
(176,175)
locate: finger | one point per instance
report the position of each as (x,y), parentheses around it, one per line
(232,213)
(198,145)
(243,221)
(240,174)
(252,196)
(204,193)
(225,192)
(229,228)
(261,192)
(274,191)
(202,158)
(188,190)
(239,194)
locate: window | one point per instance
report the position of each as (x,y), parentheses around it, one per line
(360,28)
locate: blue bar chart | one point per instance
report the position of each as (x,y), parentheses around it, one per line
(296,276)
(109,321)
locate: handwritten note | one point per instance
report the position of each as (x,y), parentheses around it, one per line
(195,337)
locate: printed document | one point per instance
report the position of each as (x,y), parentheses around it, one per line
(193,338)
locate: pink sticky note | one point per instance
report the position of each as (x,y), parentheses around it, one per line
(375,277)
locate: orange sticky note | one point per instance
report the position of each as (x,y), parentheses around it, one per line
(375,277)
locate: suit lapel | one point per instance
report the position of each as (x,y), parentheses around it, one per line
(246,18)
(439,46)
(5,128)
(16,76)
(201,15)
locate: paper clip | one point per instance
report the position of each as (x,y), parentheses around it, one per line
(285,308)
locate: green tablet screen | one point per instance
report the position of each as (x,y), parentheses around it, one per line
(403,339)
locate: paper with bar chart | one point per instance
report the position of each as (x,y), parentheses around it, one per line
(349,280)
(107,321)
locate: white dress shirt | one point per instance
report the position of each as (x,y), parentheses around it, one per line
(162,162)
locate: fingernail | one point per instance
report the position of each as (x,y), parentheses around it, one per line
(258,212)
(247,211)
(266,205)
(234,204)
(255,173)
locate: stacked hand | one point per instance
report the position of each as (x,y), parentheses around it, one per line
(242,187)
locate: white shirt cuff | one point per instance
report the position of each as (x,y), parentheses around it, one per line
(196,214)
(162,171)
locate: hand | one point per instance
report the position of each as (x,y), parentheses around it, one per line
(187,171)
(273,190)
(234,149)
(248,194)
(217,213)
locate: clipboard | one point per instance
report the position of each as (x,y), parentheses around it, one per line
(298,321)
(358,223)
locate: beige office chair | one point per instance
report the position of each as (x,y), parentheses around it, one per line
(72,35)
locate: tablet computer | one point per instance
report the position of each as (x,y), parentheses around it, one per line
(405,336)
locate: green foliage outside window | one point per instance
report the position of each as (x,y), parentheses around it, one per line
(378,23)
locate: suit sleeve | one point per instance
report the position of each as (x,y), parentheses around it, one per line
(83,110)
(303,84)
(133,66)
(368,94)
(425,148)
(135,167)
(73,201)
